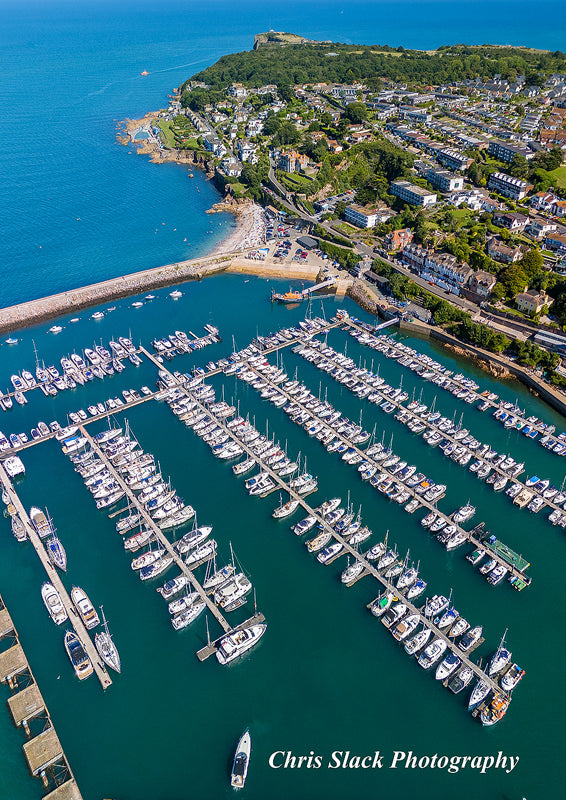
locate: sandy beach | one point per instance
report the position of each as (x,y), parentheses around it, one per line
(250,229)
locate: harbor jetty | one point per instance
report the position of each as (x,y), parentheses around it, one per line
(53,577)
(43,751)
(347,549)
(42,309)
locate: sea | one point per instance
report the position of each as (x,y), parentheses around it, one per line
(79,207)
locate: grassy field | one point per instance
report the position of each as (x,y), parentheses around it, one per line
(560,176)
(168,135)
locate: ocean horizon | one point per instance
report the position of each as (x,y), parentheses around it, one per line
(78,207)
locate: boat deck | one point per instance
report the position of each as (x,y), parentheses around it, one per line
(12,662)
(67,791)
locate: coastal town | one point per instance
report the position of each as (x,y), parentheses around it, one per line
(320,398)
(454,190)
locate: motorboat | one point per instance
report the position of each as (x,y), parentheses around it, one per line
(241,761)
(85,608)
(447,666)
(235,644)
(462,679)
(77,656)
(432,653)
(470,638)
(53,603)
(435,605)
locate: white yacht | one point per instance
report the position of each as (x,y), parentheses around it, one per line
(241,761)
(53,603)
(85,608)
(235,644)
(106,647)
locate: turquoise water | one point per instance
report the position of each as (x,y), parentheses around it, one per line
(78,207)
(326,676)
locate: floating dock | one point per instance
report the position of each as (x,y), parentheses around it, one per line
(53,577)
(43,752)
(496,554)
(369,569)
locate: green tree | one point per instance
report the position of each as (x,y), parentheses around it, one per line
(519,166)
(531,264)
(356,112)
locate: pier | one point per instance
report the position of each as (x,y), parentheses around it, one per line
(53,577)
(431,506)
(43,752)
(369,569)
(479,396)
(157,532)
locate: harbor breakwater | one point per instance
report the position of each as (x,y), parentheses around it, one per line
(42,309)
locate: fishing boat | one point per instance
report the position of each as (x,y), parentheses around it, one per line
(85,608)
(106,647)
(53,603)
(77,656)
(496,710)
(241,761)
(235,644)
(512,677)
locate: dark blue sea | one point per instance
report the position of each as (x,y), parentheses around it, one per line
(77,207)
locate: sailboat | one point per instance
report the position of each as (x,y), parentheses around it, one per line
(106,647)
(56,552)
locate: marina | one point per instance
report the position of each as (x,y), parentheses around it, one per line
(52,575)
(177,389)
(367,567)
(509,562)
